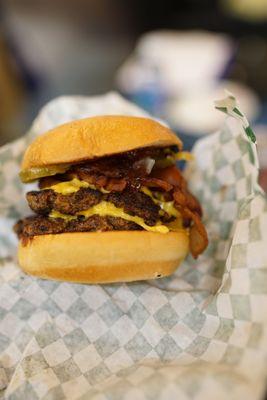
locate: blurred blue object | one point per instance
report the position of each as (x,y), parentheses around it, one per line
(149,98)
(262,117)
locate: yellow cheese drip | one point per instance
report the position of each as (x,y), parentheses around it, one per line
(73,186)
(184,155)
(172,157)
(57,214)
(166,206)
(105,208)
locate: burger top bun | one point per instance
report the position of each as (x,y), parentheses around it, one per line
(99,136)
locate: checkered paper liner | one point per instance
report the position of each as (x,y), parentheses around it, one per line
(199,334)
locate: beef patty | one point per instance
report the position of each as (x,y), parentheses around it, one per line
(132,202)
(40,225)
(43,202)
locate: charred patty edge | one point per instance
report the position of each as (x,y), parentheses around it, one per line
(39,225)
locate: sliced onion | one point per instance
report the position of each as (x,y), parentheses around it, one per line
(145,164)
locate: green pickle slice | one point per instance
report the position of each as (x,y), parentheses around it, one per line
(31,174)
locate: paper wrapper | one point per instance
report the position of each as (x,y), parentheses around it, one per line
(199,334)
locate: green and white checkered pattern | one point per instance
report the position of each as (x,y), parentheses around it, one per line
(199,334)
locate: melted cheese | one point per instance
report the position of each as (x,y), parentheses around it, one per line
(73,186)
(56,214)
(105,208)
(167,206)
(184,155)
(175,225)
(172,157)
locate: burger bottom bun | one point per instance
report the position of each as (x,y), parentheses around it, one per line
(104,257)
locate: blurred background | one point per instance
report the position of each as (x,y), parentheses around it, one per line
(171,58)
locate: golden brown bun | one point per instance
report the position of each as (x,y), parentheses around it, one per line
(102,257)
(88,138)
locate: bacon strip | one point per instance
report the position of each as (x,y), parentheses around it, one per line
(116,185)
(188,206)
(116,174)
(101,181)
(156,183)
(185,199)
(172,175)
(198,238)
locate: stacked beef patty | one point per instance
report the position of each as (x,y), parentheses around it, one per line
(43,202)
(116,179)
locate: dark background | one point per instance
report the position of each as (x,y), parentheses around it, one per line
(50,48)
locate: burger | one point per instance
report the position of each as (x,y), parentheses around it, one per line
(111,207)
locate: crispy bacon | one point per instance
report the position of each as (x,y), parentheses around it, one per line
(188,206)
(172,175)
(193,203)
(134,170)
(108,168)
(101,181)
(198,238)
(184,198)
(116,185)
(134,163)
(156,183)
